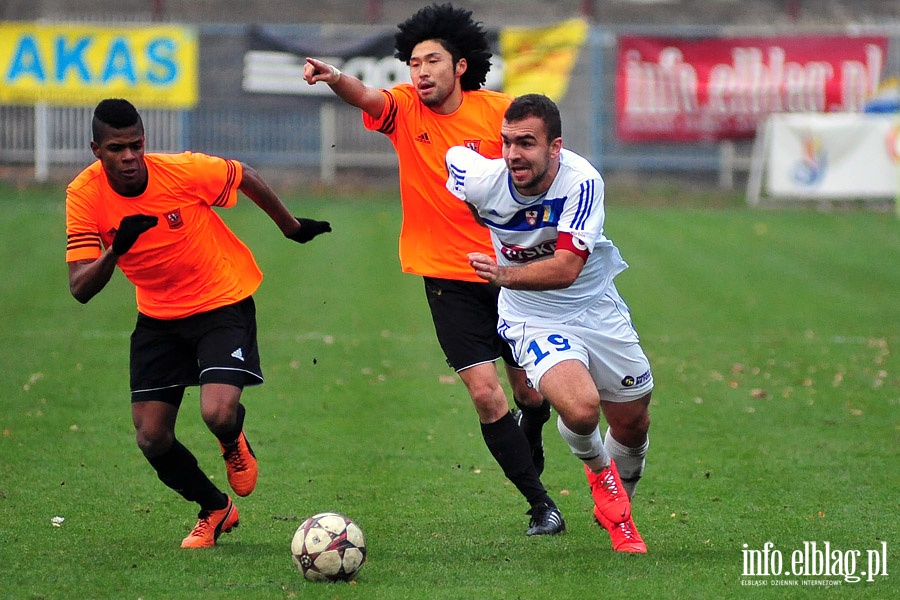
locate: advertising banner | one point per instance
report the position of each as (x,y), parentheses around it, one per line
(274,62)
(77,65)
(525,59)
(540,60)
(833,156)
(671,89)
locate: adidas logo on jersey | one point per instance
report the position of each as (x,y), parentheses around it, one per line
(238,354)
(423,137)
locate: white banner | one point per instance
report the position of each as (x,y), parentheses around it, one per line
(835,155)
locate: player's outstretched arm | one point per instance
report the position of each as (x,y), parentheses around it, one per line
(300,230)
(255,187)
(348,88)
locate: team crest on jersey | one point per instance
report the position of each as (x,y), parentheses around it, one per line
(473,145)
(173,218)
(531,217)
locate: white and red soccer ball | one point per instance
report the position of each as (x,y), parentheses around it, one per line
(329,547)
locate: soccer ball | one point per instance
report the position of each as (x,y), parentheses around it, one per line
(329,547)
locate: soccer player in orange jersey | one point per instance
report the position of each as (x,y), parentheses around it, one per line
(448,56)
(152,216)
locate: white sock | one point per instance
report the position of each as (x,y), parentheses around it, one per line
(588,448)
(629,461)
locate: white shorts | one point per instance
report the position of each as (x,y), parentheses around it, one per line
(602,338)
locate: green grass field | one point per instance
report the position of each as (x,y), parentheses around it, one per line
(775,341)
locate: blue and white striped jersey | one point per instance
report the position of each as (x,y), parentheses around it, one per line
(524,229)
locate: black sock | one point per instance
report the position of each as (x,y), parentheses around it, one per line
(511,451)
(178,469)
(533,419)
(232,436)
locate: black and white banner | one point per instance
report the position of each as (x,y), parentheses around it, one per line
(274,62)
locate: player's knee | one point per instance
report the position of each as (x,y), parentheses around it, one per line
(581,416)
(630,425)
(640,424)
(490,401)
(527,396)
(486,396)
(154,441)
(219,416)
(522,390)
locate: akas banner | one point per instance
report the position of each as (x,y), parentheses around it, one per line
(670,89)
(67,64)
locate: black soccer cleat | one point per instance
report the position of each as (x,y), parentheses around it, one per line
(545,520)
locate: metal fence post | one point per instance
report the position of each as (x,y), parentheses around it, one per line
(727,160)
(328,150)
(41,142)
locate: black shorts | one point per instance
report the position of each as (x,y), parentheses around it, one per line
(218,346)
(465,320)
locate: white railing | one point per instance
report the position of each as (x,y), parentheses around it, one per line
(45,136)
(50,135)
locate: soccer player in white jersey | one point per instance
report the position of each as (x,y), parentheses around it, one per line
(558,307)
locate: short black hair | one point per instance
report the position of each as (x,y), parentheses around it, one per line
(116,113)
(456,31)
(540,106)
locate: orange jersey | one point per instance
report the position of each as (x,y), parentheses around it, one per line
(190,262)
(438,231)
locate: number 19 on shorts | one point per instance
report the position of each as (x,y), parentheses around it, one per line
(541,349)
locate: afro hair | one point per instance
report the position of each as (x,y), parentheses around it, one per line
(456,31)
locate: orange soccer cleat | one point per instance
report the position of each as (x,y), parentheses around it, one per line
(211,525)
(624,536)
(240,462)
(610,497)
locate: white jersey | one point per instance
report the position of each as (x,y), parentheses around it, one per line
(525,229)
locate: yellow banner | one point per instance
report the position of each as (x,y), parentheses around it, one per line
(540,60)
(79,65)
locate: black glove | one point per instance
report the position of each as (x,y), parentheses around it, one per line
(309,228)
(130,228)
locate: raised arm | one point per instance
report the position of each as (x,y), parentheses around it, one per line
(348,88)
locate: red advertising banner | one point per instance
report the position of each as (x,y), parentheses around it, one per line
(673,89)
